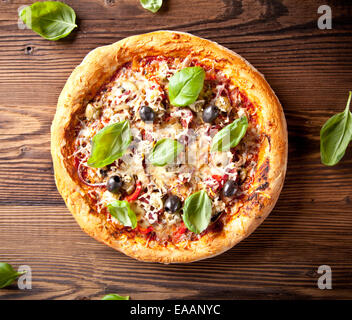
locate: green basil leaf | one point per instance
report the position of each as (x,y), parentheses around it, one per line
(197,212)
(230,136)
(110,144)
(185,86)
(52,20)
(115,296)
(121,210)
(152,5)
(165,151)
(335,135)
(7,274)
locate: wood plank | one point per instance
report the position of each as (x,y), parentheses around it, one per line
(289,37)
(272,262)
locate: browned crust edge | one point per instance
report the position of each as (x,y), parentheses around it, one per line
(97,68)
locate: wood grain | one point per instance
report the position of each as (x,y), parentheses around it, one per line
(310,71)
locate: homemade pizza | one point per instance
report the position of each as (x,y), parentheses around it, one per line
(168,147)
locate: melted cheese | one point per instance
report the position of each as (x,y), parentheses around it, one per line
(122,99)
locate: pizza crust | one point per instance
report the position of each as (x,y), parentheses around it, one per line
(97,68)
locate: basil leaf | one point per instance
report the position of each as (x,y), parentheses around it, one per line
(7,274)
(165,151)
(152,5)
(335,135)
(121,210)
(110,144)
(52,20)
(185,86)
(230,136)
(197,212)
(115,296)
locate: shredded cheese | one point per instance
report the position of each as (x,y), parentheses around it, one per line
(195,169)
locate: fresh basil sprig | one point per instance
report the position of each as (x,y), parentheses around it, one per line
(185,86)
(165,151)
(121,210)
(152,5)
(335,135)
(52,20)
(230,136)
(7,274)
(115,296)
(197,212)
(110,144)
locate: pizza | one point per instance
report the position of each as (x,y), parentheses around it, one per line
(168,147)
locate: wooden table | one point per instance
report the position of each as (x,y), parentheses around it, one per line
(311,225)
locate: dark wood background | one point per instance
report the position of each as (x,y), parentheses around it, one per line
(309,69)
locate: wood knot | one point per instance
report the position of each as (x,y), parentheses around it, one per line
(82,298)
(24,149)
(312,273)
(28,50)
(109,2)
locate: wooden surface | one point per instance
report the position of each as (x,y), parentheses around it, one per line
(311,225)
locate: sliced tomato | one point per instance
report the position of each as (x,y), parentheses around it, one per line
(180,231)
(220,179)
(76,162)
(136,193)
(145,230)
(217,177)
